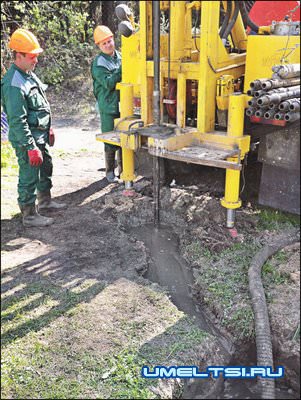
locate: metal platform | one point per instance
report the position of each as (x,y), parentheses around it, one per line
(202,155)
(109,137)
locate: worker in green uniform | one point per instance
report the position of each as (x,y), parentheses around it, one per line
(29,120)
(106,72)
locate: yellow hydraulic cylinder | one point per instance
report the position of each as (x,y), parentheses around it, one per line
(128,167)
(231,201)
(126,110)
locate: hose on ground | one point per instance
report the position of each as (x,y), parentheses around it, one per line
(261,316)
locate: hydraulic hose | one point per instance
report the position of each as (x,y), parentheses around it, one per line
(249,5)
(231,22)
(245,17)
(262,325)
(226,19)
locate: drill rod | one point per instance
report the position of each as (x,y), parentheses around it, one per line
(156,189)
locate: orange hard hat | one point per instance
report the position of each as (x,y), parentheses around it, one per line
(101,33)
(24,41)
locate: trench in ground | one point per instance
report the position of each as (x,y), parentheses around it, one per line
(169,269)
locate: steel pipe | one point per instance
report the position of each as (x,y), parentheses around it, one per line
(277,98)
(251,111)
(292,116)
(287,70)
(277,83)
(270,114)
(279,116)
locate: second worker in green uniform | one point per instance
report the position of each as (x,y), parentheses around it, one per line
(106,72)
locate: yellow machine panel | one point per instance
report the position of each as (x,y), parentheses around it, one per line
(265,51)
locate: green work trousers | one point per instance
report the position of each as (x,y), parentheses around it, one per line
(33,178)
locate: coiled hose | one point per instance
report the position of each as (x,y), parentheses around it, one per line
(262,325)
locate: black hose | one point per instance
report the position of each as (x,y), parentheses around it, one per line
(140,123)
(245,17)
(231,22)
(226,18)
(261,316)
(249,5)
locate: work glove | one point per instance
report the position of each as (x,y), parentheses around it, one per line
(35,157)
(51,137)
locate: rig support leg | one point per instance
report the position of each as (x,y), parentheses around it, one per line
(231,201)
(128,168)
(126,110)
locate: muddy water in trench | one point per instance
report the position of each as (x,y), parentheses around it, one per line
(170,270)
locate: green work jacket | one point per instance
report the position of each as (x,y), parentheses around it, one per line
(106,72)
(27,109)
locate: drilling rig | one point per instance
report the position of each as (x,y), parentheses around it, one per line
(202,83)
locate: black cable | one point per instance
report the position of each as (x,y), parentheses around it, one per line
(226,18)
(231,22)
(140,122)
(245,17)
(249,5)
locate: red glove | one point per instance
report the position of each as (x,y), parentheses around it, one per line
(51,137)
(35,157)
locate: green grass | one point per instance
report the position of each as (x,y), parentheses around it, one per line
(277,220)
(9,177)
(270,274)
(223,277)
(223,280)
(42,357)
(242,322)
(26,355)
(176,341)
(8,157)
(37,375)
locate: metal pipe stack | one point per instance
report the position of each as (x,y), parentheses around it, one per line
(276,98)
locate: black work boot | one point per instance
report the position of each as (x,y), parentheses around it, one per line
(110,165)
(32,218)
(45,202)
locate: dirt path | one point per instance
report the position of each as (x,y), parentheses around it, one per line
(76,291)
